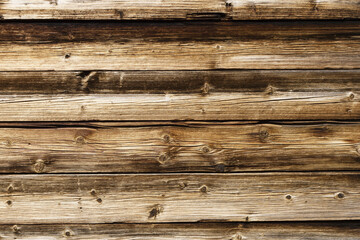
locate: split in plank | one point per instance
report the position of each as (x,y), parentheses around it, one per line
(181,9)
(348,230)
(37,46)
(143,198)
(188,148)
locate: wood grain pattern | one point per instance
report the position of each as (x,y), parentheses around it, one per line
(36,199)
(199,231)
(180,9)
(37,46)
(180,148)
(160,82)
(215,106)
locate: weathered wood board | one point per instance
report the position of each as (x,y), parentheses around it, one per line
(199,231)
(37,46)
(216,106)
(144,198)
(181,82)
(184,147)
(180,9)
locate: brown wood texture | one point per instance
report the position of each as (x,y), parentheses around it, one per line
(143,198)
(199,231)
(160,82)
(215,106)
(36,46)
(179,147)
(180,9)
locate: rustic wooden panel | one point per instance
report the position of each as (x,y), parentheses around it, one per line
(178,46)
(199,231)
(215,106)
(114,82)
(188,148)
(181,9)
(32,199)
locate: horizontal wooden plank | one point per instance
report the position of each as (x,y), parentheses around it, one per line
(214,106)
(348,230)
(156,82)
(188,148)
(32,199)
(181,9)
(37,46)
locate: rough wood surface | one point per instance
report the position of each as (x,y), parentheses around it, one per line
(199,231)
(178,46)
(213,106)
(181,9)
(180,148)
(33,199)
(156,82)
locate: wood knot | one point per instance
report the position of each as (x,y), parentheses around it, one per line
(204,189)
(339,195)
(39,166)
(80,140)
(166,138)
(93,192)
(269,90)
(163,158)
(155,211)
(15,229)
(205,89)
(358,150)
(10,189)
(205,149)
(263,135)
(183,185)
(288,197)
(68,233)
(351,97)
(237,237)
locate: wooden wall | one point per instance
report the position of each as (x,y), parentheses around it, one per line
(203,119)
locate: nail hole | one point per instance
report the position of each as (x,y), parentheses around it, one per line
(203,189)
(93,192)
(67,56)
(340,195)
(67,233)
(9,202)
(288,197)
(99,200)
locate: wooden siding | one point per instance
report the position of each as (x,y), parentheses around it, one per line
(129,119)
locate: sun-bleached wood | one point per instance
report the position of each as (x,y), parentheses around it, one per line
(180,9)
(142,198)
(182,147)
(37,46)
(158,82)
(192,231)
(213,106)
